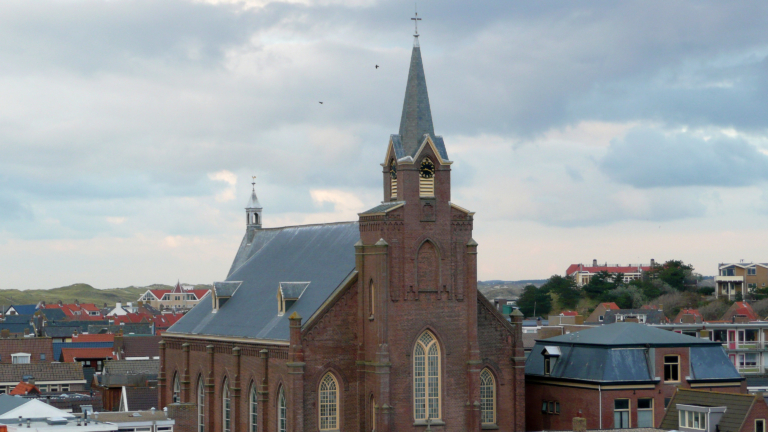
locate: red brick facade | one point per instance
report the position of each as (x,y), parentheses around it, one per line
(422,276)
(588,401)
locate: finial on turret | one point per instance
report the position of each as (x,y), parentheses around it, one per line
(253,183)
(416,20)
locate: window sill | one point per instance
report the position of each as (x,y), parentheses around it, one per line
(432,423)
(490,426)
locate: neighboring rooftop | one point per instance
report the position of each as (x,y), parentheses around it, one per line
(628,334)
(738,407)
(42,372)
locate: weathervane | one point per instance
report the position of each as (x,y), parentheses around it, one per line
(253,183)
(416,20)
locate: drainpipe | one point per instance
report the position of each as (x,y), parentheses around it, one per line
(600,395)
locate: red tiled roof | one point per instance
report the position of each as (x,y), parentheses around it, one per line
(744,308)
(70,354)
(611,306)
(93,338)
(23,389)
(159,293)
(690,312)
(569,313)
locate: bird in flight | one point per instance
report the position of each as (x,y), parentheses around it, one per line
(321,103)
(377,66)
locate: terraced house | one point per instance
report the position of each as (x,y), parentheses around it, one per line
(369,325)
(742,278)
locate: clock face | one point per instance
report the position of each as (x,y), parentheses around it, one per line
(393,169)
(427,169)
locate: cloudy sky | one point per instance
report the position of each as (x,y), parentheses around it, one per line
(620,131)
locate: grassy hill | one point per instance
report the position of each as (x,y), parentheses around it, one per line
(84,293)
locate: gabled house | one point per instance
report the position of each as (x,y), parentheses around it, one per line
(598,315)
(619,376)
(740,312)
(641,316)
(710,411)
(688,316)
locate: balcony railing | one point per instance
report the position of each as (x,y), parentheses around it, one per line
(744,345)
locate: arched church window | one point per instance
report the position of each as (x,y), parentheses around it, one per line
(426,378)
(427,178)
(487,397)
(226,408)
(372,297)
(282,411)
(253,415)
(200,405)
(329,402)
(393,179)
(176,389)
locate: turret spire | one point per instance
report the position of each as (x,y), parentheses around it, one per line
(416,120)
(253,209)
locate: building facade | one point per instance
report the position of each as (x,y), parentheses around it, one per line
(743,278)
(355,326)
(582,274)
(619,376)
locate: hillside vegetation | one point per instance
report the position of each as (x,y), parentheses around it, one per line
(81,292)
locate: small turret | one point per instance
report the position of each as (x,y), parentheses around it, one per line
(253,212)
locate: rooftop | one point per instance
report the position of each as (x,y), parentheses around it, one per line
(628,334)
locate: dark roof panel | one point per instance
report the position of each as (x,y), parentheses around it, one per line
(323,255)
(711,362)
(629,334)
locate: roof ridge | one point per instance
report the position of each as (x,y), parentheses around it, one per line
(307,225)
(718,392)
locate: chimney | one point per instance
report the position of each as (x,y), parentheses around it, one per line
(26,331)
(31,380)
(118,305)
(60,303)
(594,263)
(77,302)
(653,262)
(5,333)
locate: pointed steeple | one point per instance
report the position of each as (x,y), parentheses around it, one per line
(253,203)
(416,120)
(253,210)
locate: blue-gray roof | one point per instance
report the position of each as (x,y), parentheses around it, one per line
(226,289)
(293,290)
(628,334)
(416,119)
(592,363)
(712,363)
(384,207)
(8,402)
(322,255)
(23,309)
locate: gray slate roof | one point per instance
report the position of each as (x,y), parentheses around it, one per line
(652,316)
(384,207)
(293,290)
(124,367)
(628,334)
(323,255)
(253,203)
(226,289)
(738,407)
(416,119)
(8,402)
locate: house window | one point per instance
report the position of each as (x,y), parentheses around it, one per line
(751,286)
(549,364)
(426,378)
(601,317)
(42,356)
(672,368)
(621,414)
(54,388)
(751,271)
(43,388)
(226,408)
(645,412)
(329,402)
(282,412)
(759,425)
(176,390)
(693,419)
(65,387)
(487,397)
(20,358)
(253,415)
(200,405)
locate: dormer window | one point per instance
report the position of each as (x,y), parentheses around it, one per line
(20,358)
(551,355)
(427,178)
(289,293)
(222,292)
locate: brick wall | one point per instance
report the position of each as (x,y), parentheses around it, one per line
(33,346)
(185,416)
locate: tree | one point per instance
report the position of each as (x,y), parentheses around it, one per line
(674,273)
(534,301)
(649,288)
(626,297)
(602,282)
(565,287)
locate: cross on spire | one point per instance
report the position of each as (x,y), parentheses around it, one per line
(416,20)
(253,182)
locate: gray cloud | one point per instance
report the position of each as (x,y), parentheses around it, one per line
(647,158)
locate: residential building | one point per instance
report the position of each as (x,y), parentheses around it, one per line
(88,357)
(598,315)
(26,350)
(21,414)
(179,298)
(740,312)
(355,326)
(688,316)
(619,376)
(582,274)
(137,347)
(48,377)
(740,278)
(29,309)
(120,374)
(642,316)
(77,310)
(715,411)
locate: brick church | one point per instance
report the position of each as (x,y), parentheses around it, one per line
(372,325)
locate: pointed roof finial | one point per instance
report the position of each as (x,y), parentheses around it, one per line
(416,20)
(253,203)
(253,183)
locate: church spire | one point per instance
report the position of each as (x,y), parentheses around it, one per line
(416,120)
(253,209)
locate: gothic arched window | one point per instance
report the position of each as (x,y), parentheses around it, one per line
(200,405)
(226,408)
(487,397)
(329,402)
(426,378)
(372,297)
(253,415)
(176,389)
(282,412)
